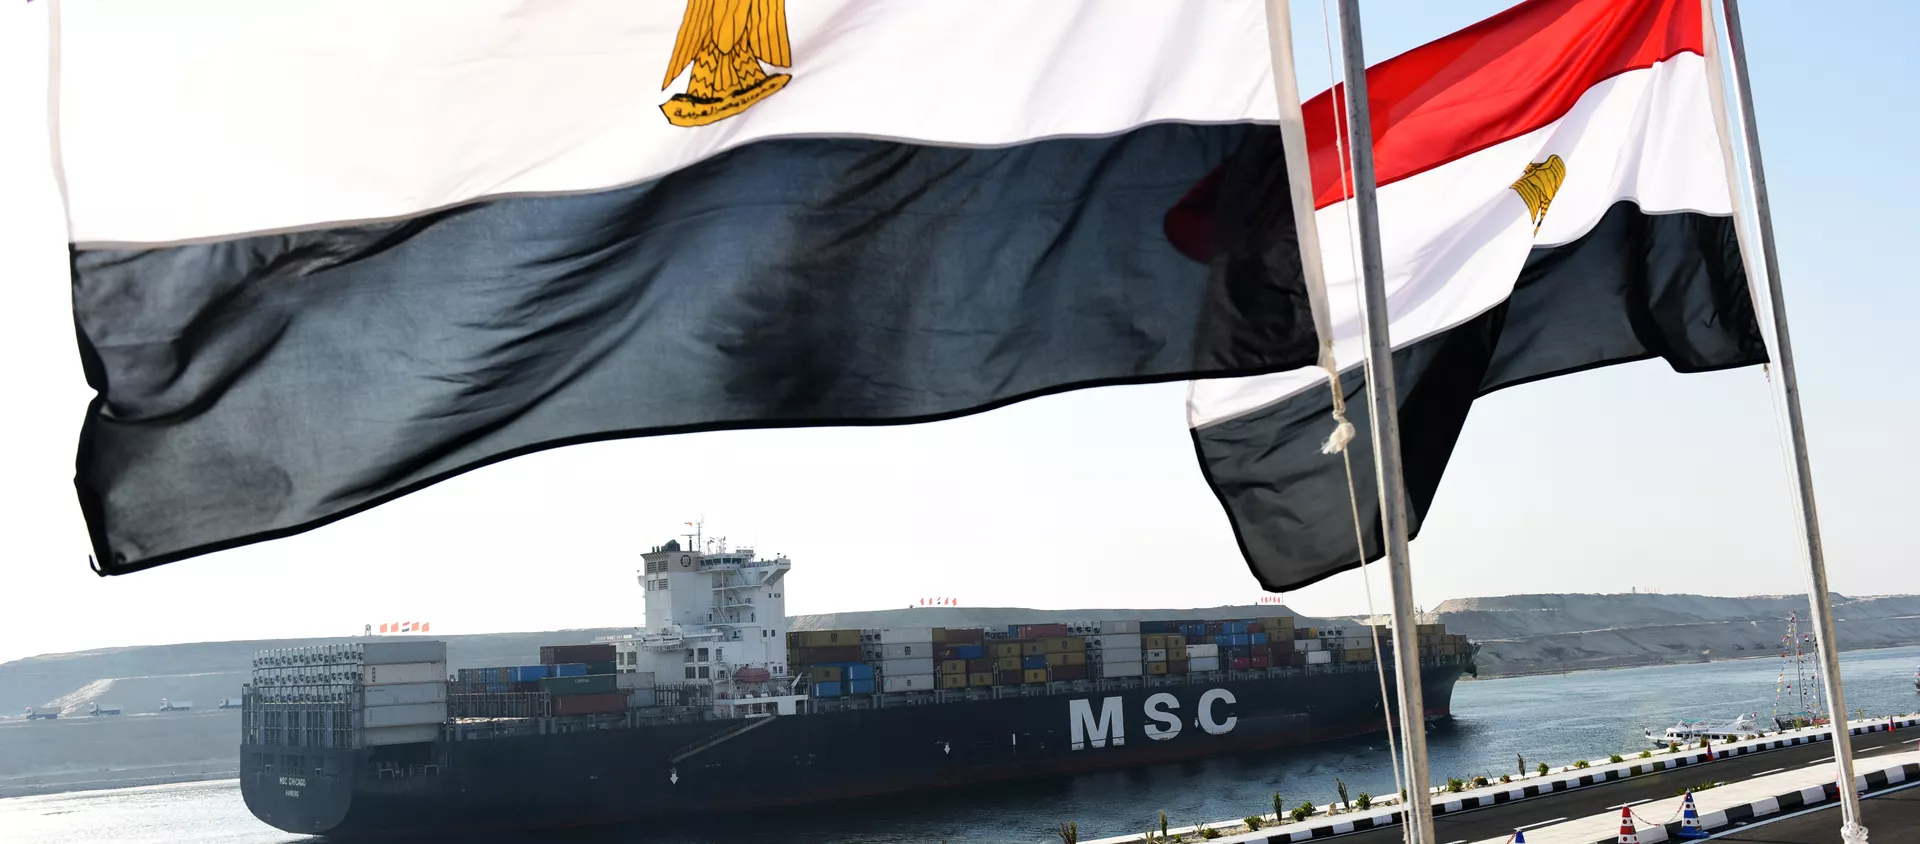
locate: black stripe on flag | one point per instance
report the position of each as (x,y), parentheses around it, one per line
(1637,286)
(265,385)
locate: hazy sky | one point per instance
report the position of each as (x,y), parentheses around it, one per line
(1600,482)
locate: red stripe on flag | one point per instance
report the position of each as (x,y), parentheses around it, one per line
(1497,80)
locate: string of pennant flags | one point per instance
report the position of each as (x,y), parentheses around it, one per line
(407,627)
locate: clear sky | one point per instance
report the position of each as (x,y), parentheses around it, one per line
(1600,482)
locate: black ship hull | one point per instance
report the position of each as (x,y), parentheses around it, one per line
(640,773)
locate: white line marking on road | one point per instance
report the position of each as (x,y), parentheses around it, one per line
(1461,841)
(1634,803)
(1764,773)
(1542,823)
(1777,818)
(1819,761)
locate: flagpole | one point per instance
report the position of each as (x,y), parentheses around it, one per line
(1818,596)
(1418,814)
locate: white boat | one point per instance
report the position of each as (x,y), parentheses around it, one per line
(1689,732)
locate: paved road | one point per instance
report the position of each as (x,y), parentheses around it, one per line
(1891,817)
(1503,818)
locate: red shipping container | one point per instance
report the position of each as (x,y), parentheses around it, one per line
(1012,678)
(1261,661)
(1176,666)
(563,654)
(1297,659)
(1041,631)
(955,636)
(982,666)
(590,704)
(834,653)
(1280,646)
(1069,672)
(1242,662)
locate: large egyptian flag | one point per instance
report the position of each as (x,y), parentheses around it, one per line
(327,253)
(1553,198)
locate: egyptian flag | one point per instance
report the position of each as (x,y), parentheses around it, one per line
(325,254)
(1553,198)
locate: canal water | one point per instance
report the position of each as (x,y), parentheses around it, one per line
(1556,719)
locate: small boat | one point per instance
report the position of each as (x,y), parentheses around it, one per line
(1688,732)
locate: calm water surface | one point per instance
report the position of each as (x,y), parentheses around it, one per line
(1555,719)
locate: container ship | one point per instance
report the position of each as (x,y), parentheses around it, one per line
(717,706)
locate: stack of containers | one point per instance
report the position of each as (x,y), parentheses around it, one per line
(962,657)
(1117,649)
(1033,656)
(638,687)
(1007,660)
(1279,630)
(1311,647)
(1355,647)
(823,647)
(403,692)
(581,680)
(1065,657)
(841,678)
(906,658)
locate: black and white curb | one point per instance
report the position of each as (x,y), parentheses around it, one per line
(1812,795)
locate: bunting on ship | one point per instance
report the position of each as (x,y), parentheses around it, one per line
(348,251)
(1530,230)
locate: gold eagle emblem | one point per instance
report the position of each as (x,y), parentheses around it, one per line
(1538,184)
(725,41)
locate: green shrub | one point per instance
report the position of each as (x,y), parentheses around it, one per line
(1543,769)
(1523,763)
(1364,801)
(1209,833)
(1279,807)
(1252,822)
(1673,748)
(1163,824)
(1646,754)
(1069,833)
(1340,787)
(1504,778)
(1455,784)
(1304,811)
(1580,764)
(1615,758)
(1479,782)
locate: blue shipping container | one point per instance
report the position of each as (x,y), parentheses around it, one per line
(854,670)
(570,669)
(1033,661)
(1239,639)
(969,652)
(1259,638)
(1240,651)
(860,687)
(530,673)
(830,689)
(1223,640)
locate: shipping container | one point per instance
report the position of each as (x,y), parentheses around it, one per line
(1054,660)
(816,656)
(1116,640)
(1065,644)
(1008,663)
(404,693)
(1031,648)
(530,673)
(1203,663)
(1034,675)
(1153,643)
(860,687)
(1257,638)
(1308,632)
(594,684)
(396,652)
(1357,655)
(1121,654)
(1011,677)
(1242,663)
(828,689)
(643,698)
(404,672)
(1319,657)
(953,681)
(1033,661)
(974,651)
(825,673)
(1036,631)
(1176,640)
(975,666)
(1151,627)
(1156,655)
(1177,666)
(1120,669)
(571,669)
(607,667)
(406,715)
(1067,672)
(893,683)
(979,678)
(1198,651)
(414,734)
(924,665)
(959,636)
(1308,645)
(906,636)
(557,654)
(1177,652)
(1284,622)
(634,680)
(1119,626)
(828,638)
(1006,649)
(953,666)
(1261,660)
(906,650)
(1155,669)
(599,704)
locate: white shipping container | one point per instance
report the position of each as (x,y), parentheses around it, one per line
(1351,643)
(906,683)
(378,736)
(1203,663)
(1157,654)
(1308,645)
(1121,654)
(905,667)
(907,650)
(1129,626)
(404,693)
(403,715)
(906,635)
(1198,651)
(634,680)
(1319,657)
(1117,640)
(1120,669)
(397,652)
(642,698)
(404,672)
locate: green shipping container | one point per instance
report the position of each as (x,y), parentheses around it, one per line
(602,668)
(592,684)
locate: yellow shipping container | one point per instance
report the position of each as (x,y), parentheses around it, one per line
(829,638)
(1153,643)
(953,666)
(1067,659)
(1007,649)
(1009,663)
(1065,644)
(825,673)
(1284,622)
(1176,651)
(1176,641)
(1156,668)
(1310,632)
(1033,648)
(980,678)
(1036,675)
(1357,655)
(953,681)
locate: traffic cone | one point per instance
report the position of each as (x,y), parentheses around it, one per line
(1690,819)
(1628,835)
(1707,743)
(1519,837)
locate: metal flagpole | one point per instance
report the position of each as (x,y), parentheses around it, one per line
(1818,597)
(1386,430)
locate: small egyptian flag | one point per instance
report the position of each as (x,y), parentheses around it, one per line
(1553,198)
(327,254)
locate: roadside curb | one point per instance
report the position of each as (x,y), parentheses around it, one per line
(1812,795)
